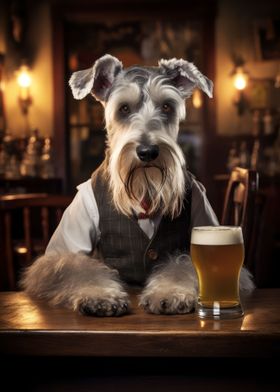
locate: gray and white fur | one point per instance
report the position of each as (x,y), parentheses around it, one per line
(143,108)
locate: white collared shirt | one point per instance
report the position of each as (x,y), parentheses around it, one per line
(78,230)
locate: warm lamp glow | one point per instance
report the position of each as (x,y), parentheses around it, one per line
(24,79)
(24,82)
(240,79)
(197,99)
(240,82)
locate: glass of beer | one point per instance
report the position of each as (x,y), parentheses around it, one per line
(217,254)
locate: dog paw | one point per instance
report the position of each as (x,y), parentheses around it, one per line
(104,307)
(167,303)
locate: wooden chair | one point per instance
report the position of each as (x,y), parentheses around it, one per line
(241,208)
(27,222)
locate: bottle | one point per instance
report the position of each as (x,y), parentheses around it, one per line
(267,123)
(255,155)
(47,161)
(30,165)
(12,168)
(256,128)
(8,160)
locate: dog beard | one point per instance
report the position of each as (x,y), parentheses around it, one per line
(161,183)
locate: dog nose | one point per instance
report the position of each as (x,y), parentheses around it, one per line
(147,153)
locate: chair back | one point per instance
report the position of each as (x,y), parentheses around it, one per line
(240,206)
(27,222)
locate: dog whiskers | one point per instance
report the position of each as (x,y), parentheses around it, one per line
(150,191)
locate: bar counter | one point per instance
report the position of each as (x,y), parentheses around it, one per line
(31,327)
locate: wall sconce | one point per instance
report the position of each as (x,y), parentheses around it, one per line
(240,82)
(24,81)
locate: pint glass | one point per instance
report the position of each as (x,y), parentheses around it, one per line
(217,254)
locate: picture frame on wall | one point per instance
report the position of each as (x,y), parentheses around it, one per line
(262,94)
(267,39)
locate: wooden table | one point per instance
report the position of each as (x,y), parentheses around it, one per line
(29,327)
(53,349)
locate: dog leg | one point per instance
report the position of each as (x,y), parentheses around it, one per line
(172,288)
(77,282)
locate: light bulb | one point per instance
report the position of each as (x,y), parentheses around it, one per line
(24,82)
(24,78)
(240,79)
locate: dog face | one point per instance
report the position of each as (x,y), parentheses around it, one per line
(143,108)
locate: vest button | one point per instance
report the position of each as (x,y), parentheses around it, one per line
(152,254)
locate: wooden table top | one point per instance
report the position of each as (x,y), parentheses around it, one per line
(29,327)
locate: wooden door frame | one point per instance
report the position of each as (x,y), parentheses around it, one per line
(102,10)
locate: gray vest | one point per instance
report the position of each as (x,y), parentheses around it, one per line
(124,246)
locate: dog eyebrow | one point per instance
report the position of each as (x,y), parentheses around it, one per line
(126,93)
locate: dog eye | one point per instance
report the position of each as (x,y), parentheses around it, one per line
(166,108)
(124,109)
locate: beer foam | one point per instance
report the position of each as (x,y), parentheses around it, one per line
(216,235)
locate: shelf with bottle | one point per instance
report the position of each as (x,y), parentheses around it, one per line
(259,149)
(26,157)
(264,122)
(257,153)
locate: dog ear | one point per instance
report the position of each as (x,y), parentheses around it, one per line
(96,80)
(185,76)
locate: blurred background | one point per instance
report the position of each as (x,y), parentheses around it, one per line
(50,143)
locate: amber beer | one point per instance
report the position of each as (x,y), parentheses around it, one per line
(217,254)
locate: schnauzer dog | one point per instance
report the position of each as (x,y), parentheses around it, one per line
(130,223)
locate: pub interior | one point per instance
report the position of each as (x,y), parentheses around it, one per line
(51,143)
